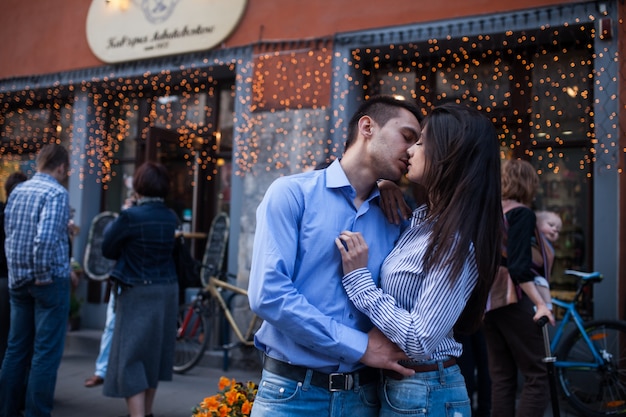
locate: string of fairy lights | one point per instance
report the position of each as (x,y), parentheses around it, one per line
(538,88)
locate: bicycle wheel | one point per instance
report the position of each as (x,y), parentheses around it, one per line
(192,336)
(595,390)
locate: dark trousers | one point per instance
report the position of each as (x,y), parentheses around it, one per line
(475,369)
(5,316)
(515,342)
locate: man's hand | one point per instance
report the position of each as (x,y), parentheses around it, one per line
(384,354)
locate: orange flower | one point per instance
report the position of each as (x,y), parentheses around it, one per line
(224,410)
(233,400)
(211,403)
(231,397)
(224,383)
(246,408)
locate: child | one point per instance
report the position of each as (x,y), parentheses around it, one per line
(549,225)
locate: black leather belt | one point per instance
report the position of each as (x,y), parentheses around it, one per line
(332,382)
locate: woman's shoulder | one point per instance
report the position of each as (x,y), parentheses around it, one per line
(521,216)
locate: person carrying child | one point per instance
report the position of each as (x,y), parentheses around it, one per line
(549,226)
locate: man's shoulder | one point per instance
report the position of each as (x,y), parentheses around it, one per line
(45,183)
(298,181)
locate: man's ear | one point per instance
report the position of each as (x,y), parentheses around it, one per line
(61,173)
(365,126)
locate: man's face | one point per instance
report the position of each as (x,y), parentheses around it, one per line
(390,144)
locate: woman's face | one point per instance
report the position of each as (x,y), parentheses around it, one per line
(417,159)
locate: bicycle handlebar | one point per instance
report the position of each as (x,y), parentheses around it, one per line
(542,321)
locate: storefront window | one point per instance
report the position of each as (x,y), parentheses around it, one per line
(191,134)
(23,130)
(536,90)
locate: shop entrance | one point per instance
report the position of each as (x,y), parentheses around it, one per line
(191,134)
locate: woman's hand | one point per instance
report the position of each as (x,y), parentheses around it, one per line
(353,249)
(543,310)
(392,202)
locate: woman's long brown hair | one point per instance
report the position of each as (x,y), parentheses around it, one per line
(462,178)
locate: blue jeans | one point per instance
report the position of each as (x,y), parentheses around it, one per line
(440,393)
(39,316)
(102,361)
(281,397)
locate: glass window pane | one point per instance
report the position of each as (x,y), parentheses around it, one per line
(561,97)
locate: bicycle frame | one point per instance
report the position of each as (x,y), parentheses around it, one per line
(572,315)
(215,288)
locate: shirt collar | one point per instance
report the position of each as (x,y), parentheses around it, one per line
(419,214)
(336,178)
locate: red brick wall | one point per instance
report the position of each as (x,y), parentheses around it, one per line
(42,36)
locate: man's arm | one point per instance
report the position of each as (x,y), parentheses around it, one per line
(274,295)
(51,231)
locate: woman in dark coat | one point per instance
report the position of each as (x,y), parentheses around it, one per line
(141,239)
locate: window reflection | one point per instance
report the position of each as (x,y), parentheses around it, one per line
(536,89)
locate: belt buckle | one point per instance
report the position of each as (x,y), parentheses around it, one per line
(340,382)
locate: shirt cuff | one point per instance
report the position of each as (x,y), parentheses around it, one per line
(354,344)
(358,281)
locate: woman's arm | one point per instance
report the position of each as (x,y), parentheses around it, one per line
(521,229)
(420,329)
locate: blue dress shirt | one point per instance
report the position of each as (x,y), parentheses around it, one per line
(295,277)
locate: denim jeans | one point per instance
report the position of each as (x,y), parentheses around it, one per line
(440,393)
(281,397)
(5,319)
(102,361)
(39,316)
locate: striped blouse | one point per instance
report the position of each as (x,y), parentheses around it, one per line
(415,310)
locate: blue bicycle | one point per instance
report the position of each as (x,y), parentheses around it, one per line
(591,359)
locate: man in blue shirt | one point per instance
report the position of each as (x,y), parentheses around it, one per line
(37,251)
(320,351)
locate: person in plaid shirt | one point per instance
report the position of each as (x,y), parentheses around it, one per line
(37,250)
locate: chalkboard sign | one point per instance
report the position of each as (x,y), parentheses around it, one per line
(96,266)
(213,260)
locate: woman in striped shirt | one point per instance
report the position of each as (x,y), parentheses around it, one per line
(437,277)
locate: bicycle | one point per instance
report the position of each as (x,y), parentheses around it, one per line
(210,308)
(591,360)
(196,320)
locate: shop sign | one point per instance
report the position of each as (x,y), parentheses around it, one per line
(127,30)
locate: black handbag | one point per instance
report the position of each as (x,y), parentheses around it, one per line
(187,268)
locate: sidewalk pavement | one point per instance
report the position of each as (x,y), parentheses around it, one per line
(174,398)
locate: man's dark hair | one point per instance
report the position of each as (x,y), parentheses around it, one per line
(151,180)
(12,180)
(381,109)
(51,156)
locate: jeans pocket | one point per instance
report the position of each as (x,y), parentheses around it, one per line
(460,408)
(52,295)
(406,397)
(369,395)
(276,389)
